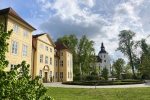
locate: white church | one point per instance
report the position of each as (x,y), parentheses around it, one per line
(103,60)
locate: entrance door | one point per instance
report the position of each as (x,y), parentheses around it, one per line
(46,77)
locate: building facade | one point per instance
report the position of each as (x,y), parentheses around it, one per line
(103,60)
(49,61)
(20,42)
(52,62)
(43,57)
(63,63)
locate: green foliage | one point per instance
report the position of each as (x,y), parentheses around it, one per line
(145,60)
(118,66)
(3,46)
(126,46)
(105,73)
(82,50)
(17,84)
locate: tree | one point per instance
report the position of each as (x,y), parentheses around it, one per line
(17,84)
(71,42)
(82,50)
(126,45)
(118,66)
(145,59)
(85,53)
(105,73)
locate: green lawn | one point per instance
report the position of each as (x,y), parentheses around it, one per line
(99,94)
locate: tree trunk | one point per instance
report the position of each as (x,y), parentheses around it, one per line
(131,63)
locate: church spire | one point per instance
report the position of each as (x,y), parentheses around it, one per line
(102,46)
(102,49)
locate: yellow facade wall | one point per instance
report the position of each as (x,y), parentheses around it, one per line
(18,37)
(41,43)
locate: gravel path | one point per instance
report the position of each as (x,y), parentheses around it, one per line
(58,84)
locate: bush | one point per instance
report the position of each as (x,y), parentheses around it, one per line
(91,77)
(104,82)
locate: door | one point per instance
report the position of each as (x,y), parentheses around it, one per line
(46,77)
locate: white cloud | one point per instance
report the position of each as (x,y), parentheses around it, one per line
(100,20)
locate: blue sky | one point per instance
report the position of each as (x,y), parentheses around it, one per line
(100,20)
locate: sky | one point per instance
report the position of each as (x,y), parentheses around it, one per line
(100,20)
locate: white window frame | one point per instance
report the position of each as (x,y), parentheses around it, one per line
(50,61)
(14,49)
(51,50)
(50,74)
(61,63)
(25,33)
(41,58)
(46,59)
(15,28)
(46,48)
(25,50)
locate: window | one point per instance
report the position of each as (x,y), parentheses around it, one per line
(46,48)
(25,33)
(41,58)
(61,74)
(40,73)
(50,61)
(46,59)
(12,66)
(24,50)
(50,49)
(14,47)
(104,60)
(55,63)
(15,28)
(56,75)
(50,74)
(61,63)
(104,56)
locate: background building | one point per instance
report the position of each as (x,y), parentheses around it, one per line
(63,63)
(43,57)
(103,60)
(50,68)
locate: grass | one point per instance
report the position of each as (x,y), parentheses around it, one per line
(99,94)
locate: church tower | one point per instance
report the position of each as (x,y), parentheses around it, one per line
(105,59)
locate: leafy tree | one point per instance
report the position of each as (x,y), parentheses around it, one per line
(118,66)
(17,84)
(126,46)
(145,59)
(85,54)
(71,42)
(82,50)
(105,73)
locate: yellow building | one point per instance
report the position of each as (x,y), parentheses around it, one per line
(20,42)
(63,63)
(43,57)
(52,62)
